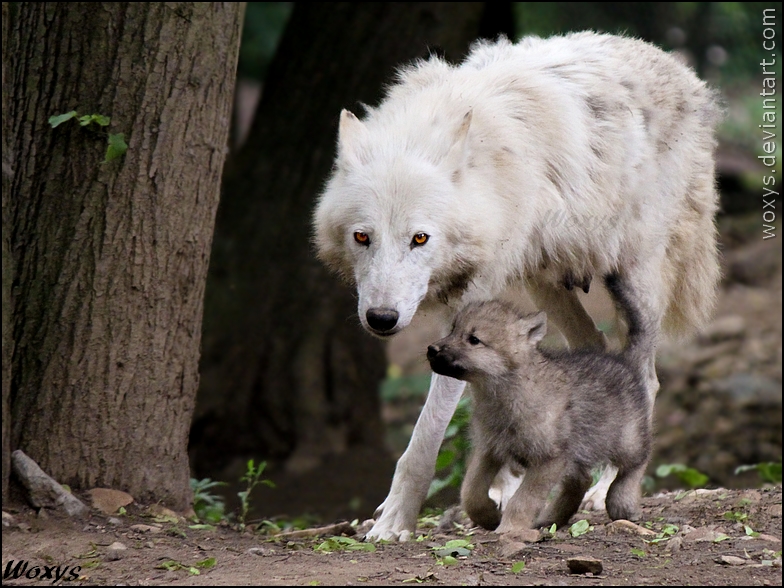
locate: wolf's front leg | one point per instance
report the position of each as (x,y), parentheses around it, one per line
(396,517)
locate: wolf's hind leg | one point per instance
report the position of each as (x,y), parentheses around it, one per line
(572,490)
(623,498)
(474,493)
(526,504)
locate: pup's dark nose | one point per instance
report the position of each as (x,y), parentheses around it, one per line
(432,351)
(382,319)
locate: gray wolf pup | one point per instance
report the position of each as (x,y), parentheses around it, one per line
(534,166)
(558,414)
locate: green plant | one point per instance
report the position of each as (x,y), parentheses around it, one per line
(117,145)
(769,472)
(689,476)
(447,554)
(451,460)
(333,544)
(252,478)
(208,507)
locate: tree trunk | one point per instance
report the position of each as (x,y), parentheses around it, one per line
(8,270)
(287,373)
(111,258)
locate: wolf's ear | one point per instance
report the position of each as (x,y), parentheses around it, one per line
(458,152)
(535,327)
(350,133)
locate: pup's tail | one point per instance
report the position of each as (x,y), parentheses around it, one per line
(641,337)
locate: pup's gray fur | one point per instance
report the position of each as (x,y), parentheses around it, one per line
(556,413)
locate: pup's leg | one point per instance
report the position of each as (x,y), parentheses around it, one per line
(526,504)
(623,498)
(474,493)
(397,515)
(572,490)
(565,310)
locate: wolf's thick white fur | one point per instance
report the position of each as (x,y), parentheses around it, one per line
(534,165)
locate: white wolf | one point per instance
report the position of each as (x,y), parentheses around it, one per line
(458,185)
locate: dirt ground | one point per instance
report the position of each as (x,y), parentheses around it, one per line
(723,538)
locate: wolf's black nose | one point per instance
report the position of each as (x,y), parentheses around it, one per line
(382,319)
(432,351)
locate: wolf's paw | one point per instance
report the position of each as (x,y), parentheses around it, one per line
(392,524)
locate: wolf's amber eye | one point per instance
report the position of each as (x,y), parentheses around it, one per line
(420,239)
(361,238)
(473,340)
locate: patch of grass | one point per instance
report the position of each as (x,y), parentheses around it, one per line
(208,507)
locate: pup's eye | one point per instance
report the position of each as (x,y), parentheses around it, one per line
(473,340)
(361,238)
(419,239)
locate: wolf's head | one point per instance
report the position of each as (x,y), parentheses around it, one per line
(488,340)
(390,218)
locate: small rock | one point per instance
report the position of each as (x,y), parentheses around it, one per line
(731,560)
(674,544)
(146,529)
(624,526)
(157,510)
(584,565)
(8,519)
(702,534)
(260,551)
(765,537)
(109,501)
(509,548)
(115,551)
(114,521)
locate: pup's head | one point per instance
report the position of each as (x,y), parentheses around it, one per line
(388,221)
(488,340)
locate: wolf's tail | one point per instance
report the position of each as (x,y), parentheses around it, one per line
(641,336)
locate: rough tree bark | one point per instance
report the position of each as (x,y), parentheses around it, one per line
(287,373)
(111,259)
(8,273)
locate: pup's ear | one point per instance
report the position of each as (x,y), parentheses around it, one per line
(456,157)
(535,327)
(350,133)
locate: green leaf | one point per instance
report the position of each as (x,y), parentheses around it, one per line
(202,527)
(206,564)
(750,532)
(59,119)
(117,147)
(85,120)
(580,528)
(448,561)
(101,120)
(721,537)
(552,529)
(518,567)
(638,552)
